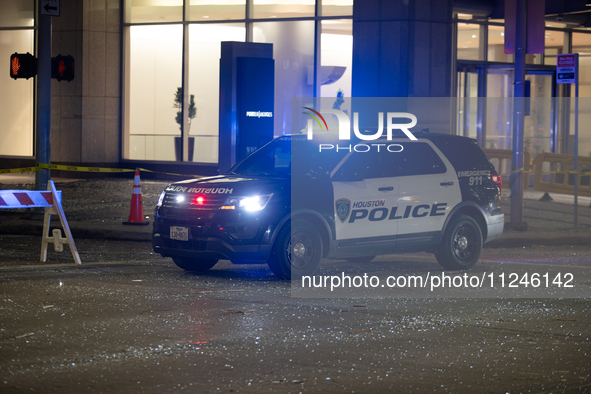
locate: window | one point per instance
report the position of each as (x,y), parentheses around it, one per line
(337,7)
(364,165)
(204,82)
(283,8)
(204,10)
(154,77)
(418,158)
(17,13)
(154,65)
(337,58)
(17,102)
(140,11)
(293,51)
(464,154)
(469,41)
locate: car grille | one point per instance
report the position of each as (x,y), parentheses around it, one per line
(192,244)
(173,205)
(212,201)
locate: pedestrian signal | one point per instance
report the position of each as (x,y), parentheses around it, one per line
(23,65)
(62,68)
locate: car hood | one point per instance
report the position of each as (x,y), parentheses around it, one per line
(230,185)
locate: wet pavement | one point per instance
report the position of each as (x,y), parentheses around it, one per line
(152,328)
(129,321)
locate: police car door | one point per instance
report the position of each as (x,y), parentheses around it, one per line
(365,191)
(429,189)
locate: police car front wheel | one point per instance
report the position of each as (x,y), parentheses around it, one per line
(461,244)
(297,251)
(194,265)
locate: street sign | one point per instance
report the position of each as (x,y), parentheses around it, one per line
(566,68)
(50,7)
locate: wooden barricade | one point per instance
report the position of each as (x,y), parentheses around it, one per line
(502,158)
(560,177)
(51,201)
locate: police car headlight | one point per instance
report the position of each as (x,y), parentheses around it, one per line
(161,199)
(250,204)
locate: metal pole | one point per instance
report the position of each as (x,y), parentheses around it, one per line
(516,180)
(185,89)
(42,142)
(576,213)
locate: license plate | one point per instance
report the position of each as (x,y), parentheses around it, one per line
(179,233)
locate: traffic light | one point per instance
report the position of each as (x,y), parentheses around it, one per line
(62,68)
(23,65)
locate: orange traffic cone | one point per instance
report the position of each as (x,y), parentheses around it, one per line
(136,213)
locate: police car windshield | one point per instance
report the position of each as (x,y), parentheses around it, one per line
(287,156)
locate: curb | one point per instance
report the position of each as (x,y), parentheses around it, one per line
(81,230)
(546,239)
(110,231)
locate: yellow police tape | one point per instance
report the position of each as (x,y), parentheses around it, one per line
(19,170)
(42,166)
(582,173)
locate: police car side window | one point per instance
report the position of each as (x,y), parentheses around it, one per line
(418,158)
(367,165)
(275,162)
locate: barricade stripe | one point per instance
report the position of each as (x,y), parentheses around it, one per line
(24,199)
(48,197)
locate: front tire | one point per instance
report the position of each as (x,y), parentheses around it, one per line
(194,265)
(297,250)
(461,244)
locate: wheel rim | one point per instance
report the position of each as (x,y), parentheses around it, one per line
(464,242)
(301,250)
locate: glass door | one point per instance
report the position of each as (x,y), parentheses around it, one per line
(469,79)
(539,125)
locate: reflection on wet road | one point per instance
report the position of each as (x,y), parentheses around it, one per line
(150,327)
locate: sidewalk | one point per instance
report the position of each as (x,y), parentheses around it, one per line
(97,208)
(94,208)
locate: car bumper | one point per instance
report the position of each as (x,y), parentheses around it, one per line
(210,248)
(496,223)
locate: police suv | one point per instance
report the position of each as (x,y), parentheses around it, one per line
(294,202)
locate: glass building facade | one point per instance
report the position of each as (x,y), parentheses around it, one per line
(485,71)
(17,34)
(166,45)
(176,44)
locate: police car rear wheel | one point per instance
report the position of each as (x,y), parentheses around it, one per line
(461,244)
(297,251)
(194,265)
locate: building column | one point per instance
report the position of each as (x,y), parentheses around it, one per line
(402,48)
(85,112)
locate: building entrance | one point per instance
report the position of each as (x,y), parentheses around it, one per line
(485,107)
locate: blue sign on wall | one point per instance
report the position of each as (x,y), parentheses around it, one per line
(255,103)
